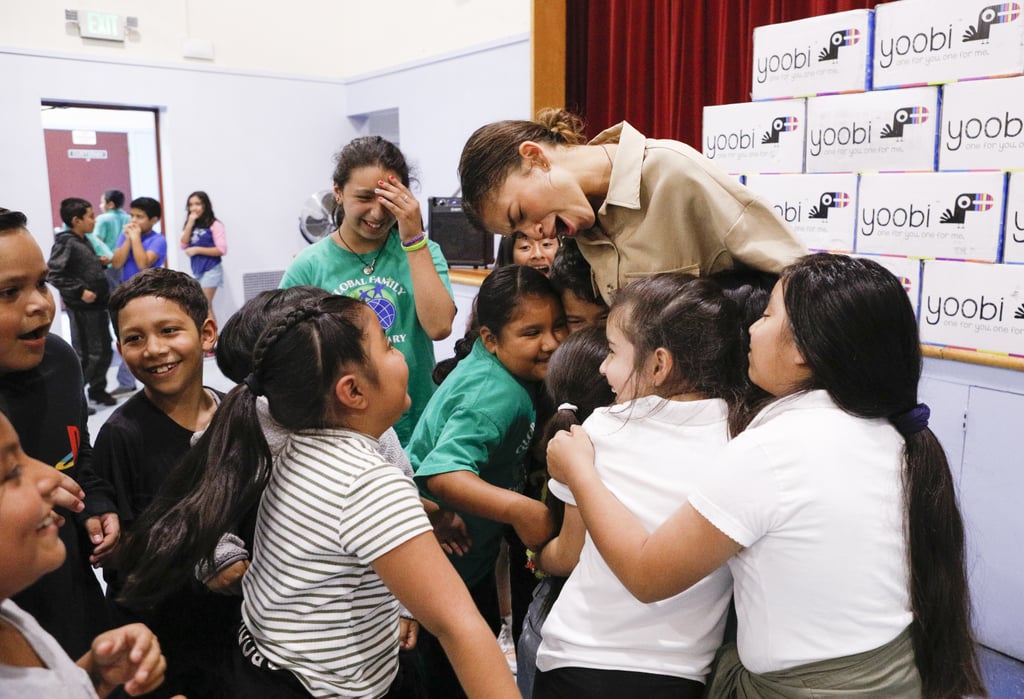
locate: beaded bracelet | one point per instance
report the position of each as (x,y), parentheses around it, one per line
(415,244)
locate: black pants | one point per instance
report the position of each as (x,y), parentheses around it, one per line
(576,682)
(255,677)
(440,677)
(90,336)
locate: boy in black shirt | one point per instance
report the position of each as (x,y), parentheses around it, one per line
(41,381)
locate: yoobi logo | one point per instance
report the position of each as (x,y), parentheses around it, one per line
(839,39)
(964,203)
(784,62)
(901,118)
(991,15)
(992,127)
(747,140)
(780,125)
(829,200)
(967,307)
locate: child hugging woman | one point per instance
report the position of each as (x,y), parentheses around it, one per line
(469,448)
(675,366)
(834,510)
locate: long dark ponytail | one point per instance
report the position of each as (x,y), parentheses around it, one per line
(853,324)
(220,480)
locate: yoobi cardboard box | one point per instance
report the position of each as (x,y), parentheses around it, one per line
(918,42)
(828,54)
(907,270)
(947,215)
(1013,226)
(973,306)
(888,131)
(756,136)
(820,209)
(982,125)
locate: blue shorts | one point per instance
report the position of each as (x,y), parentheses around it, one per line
(212,278)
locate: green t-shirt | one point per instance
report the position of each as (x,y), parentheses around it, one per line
(389,292)
(109,225)
(481,419)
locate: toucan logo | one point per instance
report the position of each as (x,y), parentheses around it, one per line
(993,14)
(901,118)
(906,282)
(964,203)
(839,39)
(780,125)
(1019,313)
(829,200)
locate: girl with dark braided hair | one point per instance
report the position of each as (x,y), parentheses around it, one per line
(340,532)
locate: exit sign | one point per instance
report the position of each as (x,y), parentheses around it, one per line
(101,25)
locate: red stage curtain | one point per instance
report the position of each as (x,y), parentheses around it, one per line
(657,63)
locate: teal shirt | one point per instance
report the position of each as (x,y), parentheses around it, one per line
(389,292)
(481,419)
(109,225)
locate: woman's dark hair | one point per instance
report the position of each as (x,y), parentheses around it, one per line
(492,152)
(208,217)
(238,337)
(296,362)
(494,306)
(854,326)
(699,326)
(367,151)
(574,377)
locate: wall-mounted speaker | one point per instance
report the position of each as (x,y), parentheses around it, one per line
(461,243)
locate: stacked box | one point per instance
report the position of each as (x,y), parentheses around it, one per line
(944,215)
(815,56)
(756,136)
(925,42)
(907,270)
(888,131)
(1013,227)
(973,306)
(982,125)
(820,209)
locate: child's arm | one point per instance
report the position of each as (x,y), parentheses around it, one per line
(560,555)
(128,655)
(652,566)
(423,580)
(466,491)
(186,233)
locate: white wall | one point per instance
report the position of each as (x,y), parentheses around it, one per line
(258,145)
(336,38)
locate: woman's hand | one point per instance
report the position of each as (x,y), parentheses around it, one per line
(571,456)
(400,202)
(128,655)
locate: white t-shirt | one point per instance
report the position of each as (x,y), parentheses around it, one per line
(60,678)
(815,496)
(650,453)
(312,601)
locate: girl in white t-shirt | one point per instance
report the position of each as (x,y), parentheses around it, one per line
(835,509)
(675,364)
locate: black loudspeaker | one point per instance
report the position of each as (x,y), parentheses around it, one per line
(461,243)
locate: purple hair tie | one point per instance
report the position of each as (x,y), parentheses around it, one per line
(912,421)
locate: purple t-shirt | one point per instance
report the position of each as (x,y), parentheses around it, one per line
(151,242)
